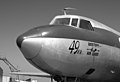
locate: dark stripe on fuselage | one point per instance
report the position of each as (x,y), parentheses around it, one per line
(59,31)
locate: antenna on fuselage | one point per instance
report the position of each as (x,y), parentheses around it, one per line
(68,8)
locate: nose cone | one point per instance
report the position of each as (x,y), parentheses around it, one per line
(19,41)
(29,46)
(30,42)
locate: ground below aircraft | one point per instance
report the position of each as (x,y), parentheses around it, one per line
(73,48)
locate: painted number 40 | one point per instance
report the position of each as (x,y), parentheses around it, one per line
(75,47)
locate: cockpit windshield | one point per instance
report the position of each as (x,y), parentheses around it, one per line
(62,21)
(72,21)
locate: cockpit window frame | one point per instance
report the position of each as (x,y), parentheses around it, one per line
(62,19)
(88,27)
(76,23)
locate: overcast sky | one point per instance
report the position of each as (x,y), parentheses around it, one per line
(18,16)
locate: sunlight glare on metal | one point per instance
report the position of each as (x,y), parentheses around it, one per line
(112,71)
(44,33)
(32,36)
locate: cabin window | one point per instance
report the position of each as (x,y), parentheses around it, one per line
(86,25)
(62,21)
(74,22)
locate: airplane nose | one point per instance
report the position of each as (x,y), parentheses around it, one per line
(30,43)
(19,41)
(29,46)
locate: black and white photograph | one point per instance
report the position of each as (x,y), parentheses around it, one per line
(59,40)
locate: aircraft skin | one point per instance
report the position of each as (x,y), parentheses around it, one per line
(69,51)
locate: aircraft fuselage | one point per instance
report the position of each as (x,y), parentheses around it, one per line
(87,52)
(73,52)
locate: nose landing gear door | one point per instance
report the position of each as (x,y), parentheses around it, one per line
(93,50)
